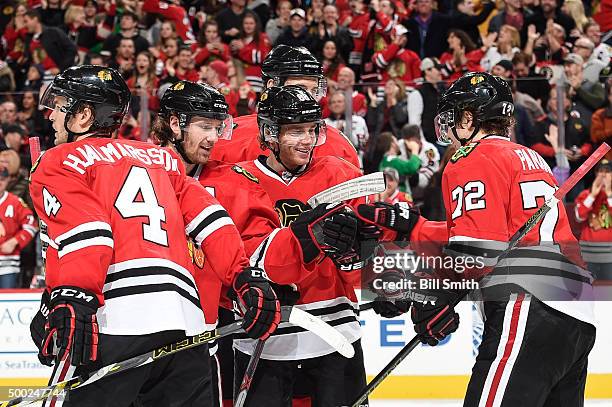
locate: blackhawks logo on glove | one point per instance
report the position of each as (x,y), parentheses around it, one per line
(288,210)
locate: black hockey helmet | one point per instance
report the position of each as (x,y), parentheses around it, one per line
(285,61)
(187,100)
(486,96)
(286,105)
(102,88)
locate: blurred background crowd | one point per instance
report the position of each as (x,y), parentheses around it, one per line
(386,62)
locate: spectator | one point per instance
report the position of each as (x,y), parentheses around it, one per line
(262,10)
(330,30)
(296,34)
(31,118)
(503,69)
(433,204)
(392,113)
(421,101)
(428,30)
(9,114)
(230,20)
(171,12)
(346,81)
(575,9)
(358,129)
(577,142)
(506,47)
(18,176)
(594,207)
(84,35)
(314,15)
(601,124)
(167,30)
(358,25)
(276,26)
(429,157)
(590,96)
(144,82)
(251,48)
(602,51)
(462,56)
(168,55)
(392,193)
(216,76)
(592,65)
(183,68)
(527,81)
(96,59)
(52,12)
(395,61)
(34,77)
(7,78)
(550,48)
(386,20)
(48,46)
(464,18)
(128,25)
(13,39)
(332,62)
(387,154)
(13,135)
(124,58)
(513,14)
(209,46)
(547,13)
(18,227)
(242,102)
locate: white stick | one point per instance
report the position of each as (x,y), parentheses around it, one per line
(354,188)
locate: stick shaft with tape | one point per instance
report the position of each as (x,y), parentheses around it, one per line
(34,143)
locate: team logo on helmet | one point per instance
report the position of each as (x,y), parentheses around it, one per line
(263,96)
(288,210)
(477,79)
(105,75)
(178,86)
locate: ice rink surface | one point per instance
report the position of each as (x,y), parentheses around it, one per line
(457,403)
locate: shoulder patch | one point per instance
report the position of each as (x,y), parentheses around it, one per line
(238,169)
(22,202)
(463,151)
(431,154)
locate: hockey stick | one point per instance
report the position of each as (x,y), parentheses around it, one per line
(354,188)
(34,143)
(514,240)
(249,373)
(351,189)
(289,314)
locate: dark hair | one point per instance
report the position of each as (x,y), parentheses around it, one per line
(257,32)
(335,62)
(501,126)
(202,34)
(151,71)
(377,152)
(521,57)
(466,41)
(127,13)
(33,14)
(409,131)
(14,128)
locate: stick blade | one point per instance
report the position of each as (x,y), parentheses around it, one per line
(354,188)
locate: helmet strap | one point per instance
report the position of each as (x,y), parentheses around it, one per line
(464,141)
(71,134)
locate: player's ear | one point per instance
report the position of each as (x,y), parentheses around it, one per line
(175,127)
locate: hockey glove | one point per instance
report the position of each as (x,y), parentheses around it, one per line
(433,314)
(328,228)
(72,328)
(261,308)
(399,217)
(37,328)
(363,248)
(390,309)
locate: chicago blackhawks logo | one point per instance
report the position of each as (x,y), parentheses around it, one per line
(289,209)
(179,86)
(476,80)
(463,152)
(105,75)
(195,254)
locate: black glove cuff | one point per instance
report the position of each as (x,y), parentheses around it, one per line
(72,294)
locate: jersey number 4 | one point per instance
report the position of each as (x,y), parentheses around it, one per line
(137,198)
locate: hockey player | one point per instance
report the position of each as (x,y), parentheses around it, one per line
(290,125)
(119,280)
(193,117)
(538,318)
(285,65)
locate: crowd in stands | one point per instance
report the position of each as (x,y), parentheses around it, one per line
(386,63)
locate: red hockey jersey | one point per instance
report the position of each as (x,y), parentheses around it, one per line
(252,55)
(116,214)
(485,208)
(325,291)
(244,145)
(19,223)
